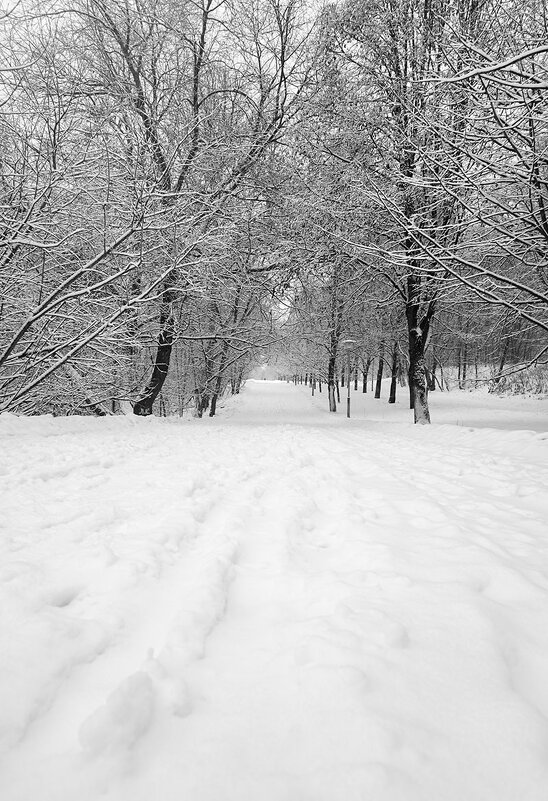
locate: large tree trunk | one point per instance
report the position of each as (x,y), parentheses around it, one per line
(417,377)
(143,406)
(418,327)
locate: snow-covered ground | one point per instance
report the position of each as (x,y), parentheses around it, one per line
(276,604)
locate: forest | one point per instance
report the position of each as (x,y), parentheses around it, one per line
(190,189)
(249,251)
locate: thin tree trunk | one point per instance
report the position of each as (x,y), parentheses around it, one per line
(331,384)
(239,379)
(502,361)
(218,380)
(213,405)
(432,376)
(380,371)
(443,382)
(365,372)
(198,410)
(394,374)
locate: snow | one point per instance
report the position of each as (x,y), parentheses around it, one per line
(277,603)
(477,409)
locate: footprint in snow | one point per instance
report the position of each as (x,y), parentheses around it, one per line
(122,720)
(63,596)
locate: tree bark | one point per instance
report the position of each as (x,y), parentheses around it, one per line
(380,371)
(365,373)
(502,361)
(331,383)
(143,407)
(464,364)
(394,374)
(218,380)
(432,376)
(418,329)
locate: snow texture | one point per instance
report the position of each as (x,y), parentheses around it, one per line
(277,604)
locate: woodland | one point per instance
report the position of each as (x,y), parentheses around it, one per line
(190,189)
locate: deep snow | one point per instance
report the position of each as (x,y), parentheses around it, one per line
(276,604)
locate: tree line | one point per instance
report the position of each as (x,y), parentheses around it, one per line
(186,186)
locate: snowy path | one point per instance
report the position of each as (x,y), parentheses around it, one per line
(279,605)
